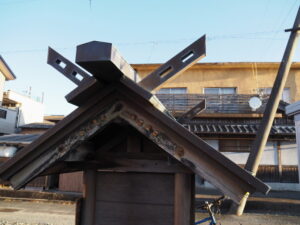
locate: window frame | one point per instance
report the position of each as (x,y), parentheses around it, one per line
(220,92)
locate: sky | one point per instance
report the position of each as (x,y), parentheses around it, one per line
(143,31)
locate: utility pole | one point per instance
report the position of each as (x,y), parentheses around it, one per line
(271,107)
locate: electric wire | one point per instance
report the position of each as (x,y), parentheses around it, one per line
(278,28)
(254,35)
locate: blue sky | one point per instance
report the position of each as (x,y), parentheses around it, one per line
(143,31)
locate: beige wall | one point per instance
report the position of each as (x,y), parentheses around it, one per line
(244,76)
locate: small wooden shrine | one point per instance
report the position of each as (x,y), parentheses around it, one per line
(139,163)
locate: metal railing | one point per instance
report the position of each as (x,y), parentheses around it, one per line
(226,103)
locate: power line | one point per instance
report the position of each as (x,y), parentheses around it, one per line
(253,35)
(269,44)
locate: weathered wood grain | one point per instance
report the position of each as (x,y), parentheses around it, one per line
(135,198)
(89,211)
(176,65)
(183,206)
(104,61)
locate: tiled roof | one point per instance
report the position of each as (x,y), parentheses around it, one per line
(46,125)
(18,138)
(236,129)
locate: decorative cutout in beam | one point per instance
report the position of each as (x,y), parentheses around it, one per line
(67,68)
(176,65)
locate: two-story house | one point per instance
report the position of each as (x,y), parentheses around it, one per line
(16,109)
(7,116)
(229,123)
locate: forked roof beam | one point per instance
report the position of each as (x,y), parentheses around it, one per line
(67,68)
(176,65)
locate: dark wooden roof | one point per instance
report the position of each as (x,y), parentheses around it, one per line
(101,104)
(141,114)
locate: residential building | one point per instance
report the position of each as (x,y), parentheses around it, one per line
(6,74)
(30,110)
(228,123)
(16,109)
(7,116)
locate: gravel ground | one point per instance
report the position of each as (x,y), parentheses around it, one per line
(36,213)
(49,213)
(253,219)
(2,222)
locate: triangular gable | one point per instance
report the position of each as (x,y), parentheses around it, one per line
(122,101)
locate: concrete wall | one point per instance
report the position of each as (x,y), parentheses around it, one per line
(289,155)
(245,76)
(297,124)
(31,111)
(8,125)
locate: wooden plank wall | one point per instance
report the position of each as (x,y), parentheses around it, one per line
(71,182)
(272,173)
(39,182)
(134,198)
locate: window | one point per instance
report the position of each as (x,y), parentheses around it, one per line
(3,114)
(220,91)
(285,95)
(172,91)
(234,145)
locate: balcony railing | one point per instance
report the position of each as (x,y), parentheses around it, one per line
(228,103)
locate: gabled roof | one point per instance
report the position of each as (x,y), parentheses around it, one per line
(111,100)
(6,71)
(54,118)
(126,102)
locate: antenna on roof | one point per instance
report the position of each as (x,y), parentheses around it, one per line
(43,96)
(29,91)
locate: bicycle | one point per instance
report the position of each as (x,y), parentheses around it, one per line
(212,208)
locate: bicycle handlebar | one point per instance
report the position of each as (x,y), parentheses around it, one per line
(216,202)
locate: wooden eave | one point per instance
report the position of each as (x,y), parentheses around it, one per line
(6,71)
(125,100)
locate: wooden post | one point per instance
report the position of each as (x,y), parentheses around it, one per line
(88,216)
(271,108)
(184,202)
(279,159)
